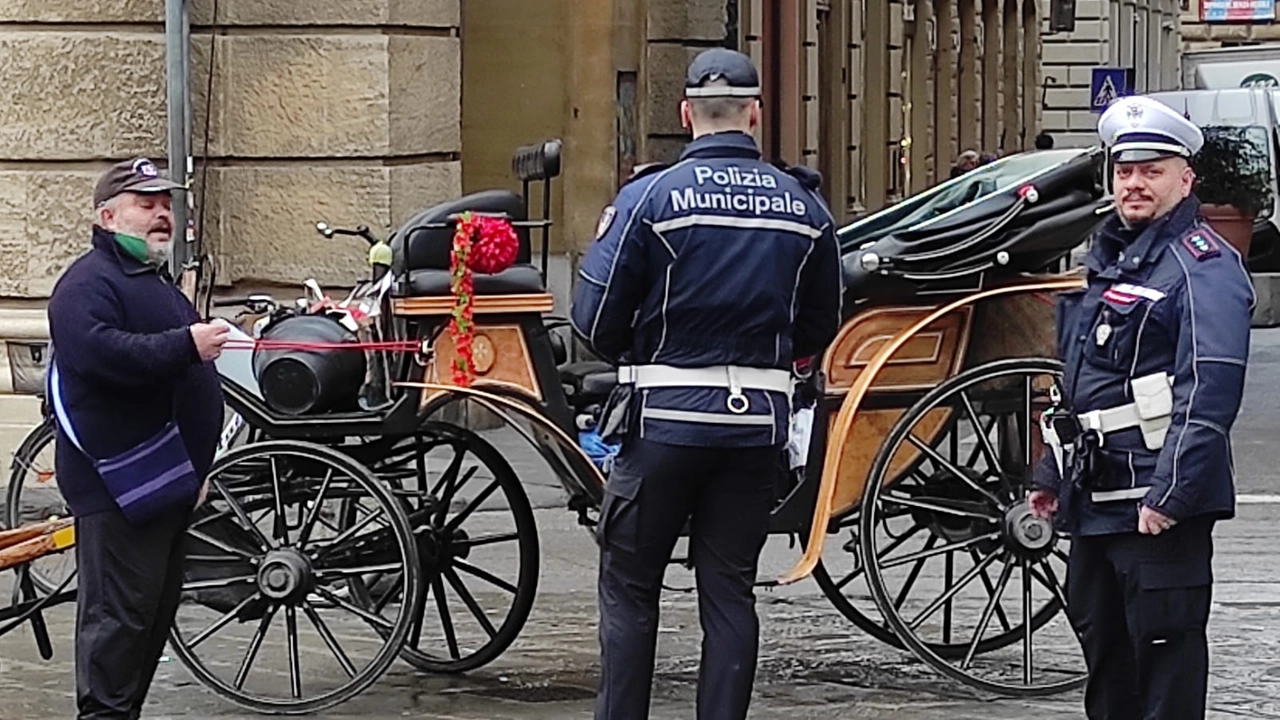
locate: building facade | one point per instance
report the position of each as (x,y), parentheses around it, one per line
(1213,23)
(364,113)
(881,96)
(1140,35)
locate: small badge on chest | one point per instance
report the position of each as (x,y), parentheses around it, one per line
(1103,334)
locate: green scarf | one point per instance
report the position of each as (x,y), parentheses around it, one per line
(135,246)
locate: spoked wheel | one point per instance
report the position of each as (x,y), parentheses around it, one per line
(33,497)
(266,587)
(962,572)
(477,541)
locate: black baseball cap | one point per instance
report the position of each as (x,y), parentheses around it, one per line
(731,66)
(138,175)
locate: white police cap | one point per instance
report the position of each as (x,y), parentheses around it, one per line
(1141,129)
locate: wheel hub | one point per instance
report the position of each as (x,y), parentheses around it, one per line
(437,550)
(285,575)
(1027,534)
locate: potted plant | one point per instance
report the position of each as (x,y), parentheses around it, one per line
(1233,181)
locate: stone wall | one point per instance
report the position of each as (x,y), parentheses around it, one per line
(347,111)
(341,110)
(675,32)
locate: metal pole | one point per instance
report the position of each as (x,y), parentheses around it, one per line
(177,61)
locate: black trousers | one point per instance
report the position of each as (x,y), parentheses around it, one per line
(129,582)
(726,494)
(1140,604)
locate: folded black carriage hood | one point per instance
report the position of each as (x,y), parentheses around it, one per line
(1021,214)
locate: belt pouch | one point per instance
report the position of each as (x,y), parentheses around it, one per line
(615,417)
(1153,399)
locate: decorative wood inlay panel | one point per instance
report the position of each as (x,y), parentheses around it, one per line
(928,358)
(870,431)
(482,304)
(502,360)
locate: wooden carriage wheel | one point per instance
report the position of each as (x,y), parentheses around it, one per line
(477,542)
(945,541)
(268,565)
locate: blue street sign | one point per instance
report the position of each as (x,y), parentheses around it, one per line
(1109,83)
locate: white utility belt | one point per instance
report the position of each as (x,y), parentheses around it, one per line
(1151,411)
(732,377)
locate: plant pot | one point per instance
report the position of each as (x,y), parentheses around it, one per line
(1234,227)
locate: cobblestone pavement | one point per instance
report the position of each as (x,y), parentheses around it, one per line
(813,662)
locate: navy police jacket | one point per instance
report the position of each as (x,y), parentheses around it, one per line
(719,259)
(1177,300)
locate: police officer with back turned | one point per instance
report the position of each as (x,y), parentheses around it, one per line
(709,278)
(1140,467)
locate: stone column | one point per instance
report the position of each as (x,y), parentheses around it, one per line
(875,102)
(922,156)
(990,74)
(944,88)
(1030,74)
(969,99)
(1012,125)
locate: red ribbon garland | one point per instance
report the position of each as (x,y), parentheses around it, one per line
(483,244)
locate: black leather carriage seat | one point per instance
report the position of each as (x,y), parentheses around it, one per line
(424,250)
(515,280)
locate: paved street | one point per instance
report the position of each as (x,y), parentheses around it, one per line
(814,663)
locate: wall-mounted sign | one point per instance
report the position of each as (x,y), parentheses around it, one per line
(1237,10)
(1108,84)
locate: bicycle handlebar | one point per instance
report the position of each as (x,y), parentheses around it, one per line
(361,231)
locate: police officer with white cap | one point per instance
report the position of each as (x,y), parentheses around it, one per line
(1140,466)
(708,279)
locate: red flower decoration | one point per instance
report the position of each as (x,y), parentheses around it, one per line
(495,248)
(487,245)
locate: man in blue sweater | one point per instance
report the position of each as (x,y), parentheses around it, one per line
(130,359)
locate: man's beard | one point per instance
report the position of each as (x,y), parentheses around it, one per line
(1134,223)
(159,253)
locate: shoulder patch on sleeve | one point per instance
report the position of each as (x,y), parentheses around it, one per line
(1201,246)
(606,219)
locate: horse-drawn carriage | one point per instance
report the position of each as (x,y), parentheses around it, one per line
(350,500)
